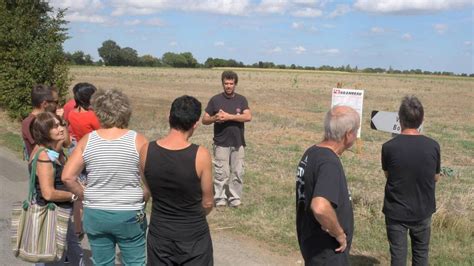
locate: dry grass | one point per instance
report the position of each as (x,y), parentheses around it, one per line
(288,109)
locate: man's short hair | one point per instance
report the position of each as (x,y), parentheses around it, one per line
(39,94)
(112,108)
(411,112)
(184,113)
(228,74)
(340,120)
(82,94)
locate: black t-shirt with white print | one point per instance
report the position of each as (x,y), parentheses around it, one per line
(320,174)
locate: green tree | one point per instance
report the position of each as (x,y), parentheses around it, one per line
(110,53)
(149,61)
(31,38)
(190,60)
(79,58)
(174,60)
(128,57)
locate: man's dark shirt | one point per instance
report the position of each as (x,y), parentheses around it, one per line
(26,134)
(320,174)
(412,161)
(230,133)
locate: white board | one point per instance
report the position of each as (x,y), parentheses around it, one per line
(349,97)
(387,122)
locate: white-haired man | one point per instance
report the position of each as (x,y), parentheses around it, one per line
(324,217)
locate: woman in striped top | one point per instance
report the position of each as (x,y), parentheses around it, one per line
(114,198)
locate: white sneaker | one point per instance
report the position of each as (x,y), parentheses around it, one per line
(221,203)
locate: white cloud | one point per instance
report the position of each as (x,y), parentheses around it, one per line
(82,10)
(299,49)
(409,6)
(78,5)
(216,6)
(275,50)
(219,44)
(407,37)
(154,22)
(313,29)
(82,30)
(340,10)
(307,12)
(332,51)
(468,43)
(132,22)
(305,2)
(440,28)
(83,17)
(144,7)
(273,6)
(173,43)
(297,25)
(329,26)
(377,30)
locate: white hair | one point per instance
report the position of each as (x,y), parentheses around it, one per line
(340,120)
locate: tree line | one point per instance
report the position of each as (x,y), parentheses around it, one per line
(113,55)
(31,52)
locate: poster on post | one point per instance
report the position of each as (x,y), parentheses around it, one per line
(349,97)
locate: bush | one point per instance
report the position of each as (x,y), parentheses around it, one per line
(31,38)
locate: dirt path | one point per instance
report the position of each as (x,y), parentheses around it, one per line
(229,249)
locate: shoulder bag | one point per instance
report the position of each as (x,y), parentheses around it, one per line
(38,233)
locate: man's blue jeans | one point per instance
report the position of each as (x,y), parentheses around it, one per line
(419,232)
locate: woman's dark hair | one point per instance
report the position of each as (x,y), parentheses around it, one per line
(411,112)
(83,93)
(41,126)
(185,112)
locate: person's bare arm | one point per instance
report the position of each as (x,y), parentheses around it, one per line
(245,116)
(437,177)
(204,170)
(208,119)
(146,189)
(74,167)
(45,173)
(326,216)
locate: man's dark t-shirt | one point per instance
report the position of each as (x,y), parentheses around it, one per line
(26,134)
(320,174)
(230,133)
(412,161)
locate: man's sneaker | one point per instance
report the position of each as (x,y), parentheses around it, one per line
(221,203)
(235,203)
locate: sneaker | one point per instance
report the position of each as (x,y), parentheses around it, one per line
(235,203)
(221,203)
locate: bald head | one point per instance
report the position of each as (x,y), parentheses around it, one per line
(339,121)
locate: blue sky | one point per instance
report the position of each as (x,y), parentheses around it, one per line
(434,35)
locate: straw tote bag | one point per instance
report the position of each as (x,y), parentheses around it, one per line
(38,233)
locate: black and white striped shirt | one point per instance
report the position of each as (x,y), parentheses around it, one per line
(113,179)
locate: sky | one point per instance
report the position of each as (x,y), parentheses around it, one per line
(433,35)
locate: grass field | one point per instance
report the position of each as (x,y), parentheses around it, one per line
(288,109)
